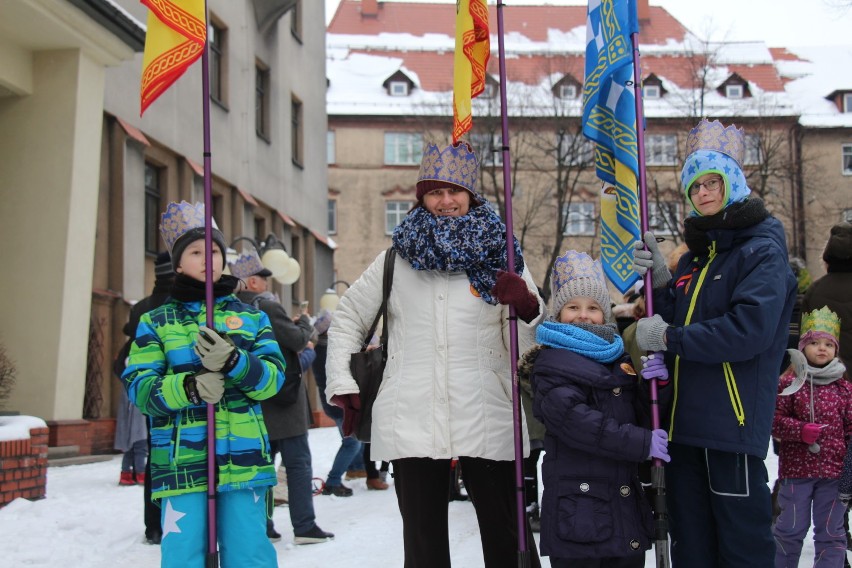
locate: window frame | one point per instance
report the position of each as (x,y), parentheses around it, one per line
(847,102)
(401,209)
(297,150)
(582,213)
(397,141)
(568,91)
(330,147)
(652,91)
(153,208)
(753,152)
(734,91)
(398,89)
(587,149)
(661,143)
(296,20)
(262,87)
(846,157)
(487,156)
(217,35)
(659,227)
(332,216)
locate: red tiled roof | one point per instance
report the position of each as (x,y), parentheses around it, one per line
(531,21)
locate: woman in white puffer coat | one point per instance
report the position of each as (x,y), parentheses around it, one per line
(446,391)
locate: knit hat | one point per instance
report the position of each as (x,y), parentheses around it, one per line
(576,274)
(839,245)
(182,224)
(248,264)
(456,166)
(715,149)
(163,266)
(820,324)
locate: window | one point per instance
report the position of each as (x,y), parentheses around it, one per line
(490,91)
(398,88)
(664,217)
(568,91)
(329,147)
(217,40)
(296,20)
(847,215)
(296,126)
(395,211)
(734,91)
(752,150)
(332,216)
(152,209)
(260,231)
(847,159)
(575,150)
(651,92)
(661,149)
(403,148)
(261,101)
(488,148)
(580,219)
(847,102)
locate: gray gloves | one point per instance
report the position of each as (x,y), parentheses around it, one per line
(651,258)
(217,352)
(651,333)
(208,386)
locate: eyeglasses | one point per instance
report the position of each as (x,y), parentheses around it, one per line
(711,185)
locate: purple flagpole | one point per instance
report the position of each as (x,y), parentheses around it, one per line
(523,545)
(212,559)
(658,479)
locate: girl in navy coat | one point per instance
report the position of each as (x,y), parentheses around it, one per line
(594,513)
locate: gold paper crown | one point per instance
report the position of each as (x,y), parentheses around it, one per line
(179,219)
(455,164)
(823,320)
(708,135)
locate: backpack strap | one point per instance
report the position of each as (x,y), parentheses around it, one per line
(387,283)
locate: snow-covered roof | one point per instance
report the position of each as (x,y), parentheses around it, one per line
(817,73)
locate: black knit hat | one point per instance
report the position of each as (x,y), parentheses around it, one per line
(839,245)
(163,266)
(190,237)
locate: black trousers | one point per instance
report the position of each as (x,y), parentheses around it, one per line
(422,491)
(152,508)
(615,562)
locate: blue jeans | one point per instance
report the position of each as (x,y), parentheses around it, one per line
(349,448)
(296,459)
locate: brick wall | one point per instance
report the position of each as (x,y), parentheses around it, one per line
(23,467)
(71,433)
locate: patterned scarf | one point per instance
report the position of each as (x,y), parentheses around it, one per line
(588,342)
(474,243)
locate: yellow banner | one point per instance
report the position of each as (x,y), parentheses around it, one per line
(473,48)
(177,32)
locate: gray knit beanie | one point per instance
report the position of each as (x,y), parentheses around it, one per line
(576,274)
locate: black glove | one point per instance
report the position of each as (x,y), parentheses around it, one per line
(217,351)
(208,386)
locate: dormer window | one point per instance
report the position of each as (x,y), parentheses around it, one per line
(847,102)
(734,91)
(398,89)
(567,91)
(651,92)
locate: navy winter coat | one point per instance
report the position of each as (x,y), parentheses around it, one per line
(724,363)
(593,505)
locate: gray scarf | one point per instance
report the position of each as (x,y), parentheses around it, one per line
(816,375)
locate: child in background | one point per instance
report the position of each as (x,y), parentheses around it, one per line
(594,513)
(131,437)
(813,420)
(177,366)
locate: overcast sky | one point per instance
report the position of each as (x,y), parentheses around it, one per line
(780,23)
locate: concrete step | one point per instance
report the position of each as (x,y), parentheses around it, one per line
(76,460)
(59,452)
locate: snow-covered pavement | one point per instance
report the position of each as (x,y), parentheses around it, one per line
(88,521)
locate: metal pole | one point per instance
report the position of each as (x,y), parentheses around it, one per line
(523,545)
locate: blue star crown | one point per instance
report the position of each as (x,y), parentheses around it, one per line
(728,140)
(179,219)
(455,164)
(247,264)
(574,265)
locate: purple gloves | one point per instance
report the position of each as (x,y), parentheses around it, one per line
(660,445)
(810,432)
(654,367)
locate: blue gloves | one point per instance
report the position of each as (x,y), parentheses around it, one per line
(659,445)
(654,367)
(651,258)
(651,333)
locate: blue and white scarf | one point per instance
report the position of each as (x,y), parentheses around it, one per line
(580,341)
(474,243)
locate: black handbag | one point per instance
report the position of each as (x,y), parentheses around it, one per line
(368,366)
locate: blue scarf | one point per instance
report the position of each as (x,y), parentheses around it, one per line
(580,341)
(474,243)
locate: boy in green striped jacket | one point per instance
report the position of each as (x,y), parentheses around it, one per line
(176,367)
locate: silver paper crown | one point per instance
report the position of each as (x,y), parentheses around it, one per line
(247,264)
(179,219)
(714,136)
(577,274)
(455,164)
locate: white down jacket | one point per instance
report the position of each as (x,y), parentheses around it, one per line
(446,390)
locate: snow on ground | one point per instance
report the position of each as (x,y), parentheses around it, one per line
(89,521)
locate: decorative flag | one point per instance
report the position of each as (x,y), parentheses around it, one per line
(177,33)
(473,48)
(609,119)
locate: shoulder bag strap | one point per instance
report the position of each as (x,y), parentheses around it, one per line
(387,281)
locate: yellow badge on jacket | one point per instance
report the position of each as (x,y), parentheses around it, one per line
(628,368)
(474,292)
(234,322)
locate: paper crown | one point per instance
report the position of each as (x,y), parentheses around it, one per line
(821,320)
(179,219)
(456,164)
(713,136)
(576,274)
(248,264)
